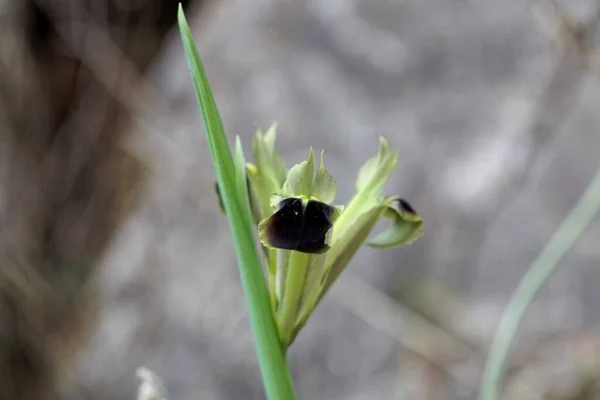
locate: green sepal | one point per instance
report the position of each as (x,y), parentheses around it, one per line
(377,170)
(267,175)
(324,187)
(300,178)
(257,188)
(268,158)
(303,182)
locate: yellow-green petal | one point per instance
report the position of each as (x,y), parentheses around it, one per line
(300,178)
(324,187)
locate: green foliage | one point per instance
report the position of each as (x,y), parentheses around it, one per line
(565,237)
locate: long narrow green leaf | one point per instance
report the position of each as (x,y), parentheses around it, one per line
(580,217)
(274,369)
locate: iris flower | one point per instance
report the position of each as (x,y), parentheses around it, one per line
(307,239)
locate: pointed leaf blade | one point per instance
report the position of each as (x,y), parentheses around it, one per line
(274,369)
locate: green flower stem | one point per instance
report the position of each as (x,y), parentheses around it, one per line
(272,277)
(294,282)
(584,212)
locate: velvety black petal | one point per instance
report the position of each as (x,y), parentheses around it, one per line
(299,226)
(317,222)
(286,223)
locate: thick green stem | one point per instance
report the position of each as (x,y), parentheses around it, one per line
(294,283)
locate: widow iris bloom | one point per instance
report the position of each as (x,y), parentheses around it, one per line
(300,226)
(307,240)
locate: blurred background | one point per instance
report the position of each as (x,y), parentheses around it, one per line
(108,191)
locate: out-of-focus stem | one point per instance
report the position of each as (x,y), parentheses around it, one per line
(581,216)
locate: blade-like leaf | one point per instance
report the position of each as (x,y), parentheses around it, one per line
(274,369)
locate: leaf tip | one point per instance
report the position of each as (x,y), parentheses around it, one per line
(181,14)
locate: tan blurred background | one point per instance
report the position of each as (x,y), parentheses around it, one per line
(493,105)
